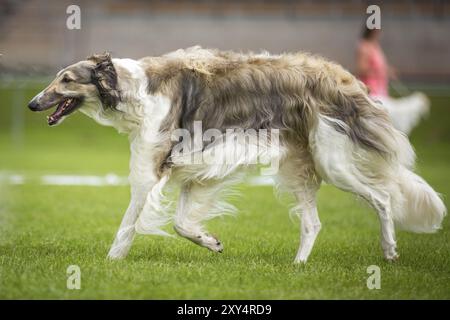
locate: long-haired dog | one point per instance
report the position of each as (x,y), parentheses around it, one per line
(329,129)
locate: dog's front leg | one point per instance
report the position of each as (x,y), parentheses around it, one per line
(142,179)
(125,234)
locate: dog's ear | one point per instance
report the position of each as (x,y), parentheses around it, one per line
(104,77)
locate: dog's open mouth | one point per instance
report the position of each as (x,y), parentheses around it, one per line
(64,108)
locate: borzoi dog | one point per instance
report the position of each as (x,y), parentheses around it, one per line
(329,129)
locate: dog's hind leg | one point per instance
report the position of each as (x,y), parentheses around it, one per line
(298,176)
(358,171)
(388,242)
(197,203)
(310,227)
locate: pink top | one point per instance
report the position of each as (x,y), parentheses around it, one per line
(376,78)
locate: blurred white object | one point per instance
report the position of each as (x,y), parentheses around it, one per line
(406,112)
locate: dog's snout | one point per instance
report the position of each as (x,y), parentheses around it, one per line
(33,105)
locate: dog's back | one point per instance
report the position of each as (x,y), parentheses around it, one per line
(286,92)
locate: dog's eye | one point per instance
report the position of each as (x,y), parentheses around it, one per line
(67,79)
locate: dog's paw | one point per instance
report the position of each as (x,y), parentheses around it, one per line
(114,257)
(391,255)
(210,242)
(116,254)
(202,239)
(392,258)
(300,260)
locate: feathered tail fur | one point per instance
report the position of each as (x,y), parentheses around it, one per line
(356,147)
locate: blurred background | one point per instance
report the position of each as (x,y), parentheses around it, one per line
(35,43)
(34,38)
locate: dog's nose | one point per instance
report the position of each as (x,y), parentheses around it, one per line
(33,105)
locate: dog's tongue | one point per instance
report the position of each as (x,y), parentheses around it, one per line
(55,116)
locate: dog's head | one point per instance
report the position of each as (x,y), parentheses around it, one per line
(89,82)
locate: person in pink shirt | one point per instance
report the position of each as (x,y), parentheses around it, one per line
(372,67)
(374,71)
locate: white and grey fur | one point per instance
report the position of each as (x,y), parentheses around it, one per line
(330,130)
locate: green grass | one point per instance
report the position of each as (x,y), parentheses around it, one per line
(44,229)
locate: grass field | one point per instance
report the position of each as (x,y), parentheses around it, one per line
(44,229)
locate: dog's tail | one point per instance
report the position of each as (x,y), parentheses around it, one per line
(356,147)
(415,205)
